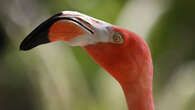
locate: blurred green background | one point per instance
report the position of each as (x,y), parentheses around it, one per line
(58,77)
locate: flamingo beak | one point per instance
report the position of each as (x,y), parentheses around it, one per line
(62,26)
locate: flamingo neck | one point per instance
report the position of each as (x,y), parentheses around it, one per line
(138,98)
(136,82)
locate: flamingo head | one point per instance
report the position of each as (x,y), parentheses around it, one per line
(118,50)
(74,28)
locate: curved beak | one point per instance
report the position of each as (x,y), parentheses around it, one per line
(42,34)
(39,35)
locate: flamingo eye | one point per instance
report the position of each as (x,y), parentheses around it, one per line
(117,38)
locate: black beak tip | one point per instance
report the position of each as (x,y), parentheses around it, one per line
(23,47)
(33,41)
(39,35)
(28,43)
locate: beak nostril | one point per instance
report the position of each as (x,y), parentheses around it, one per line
(86,23)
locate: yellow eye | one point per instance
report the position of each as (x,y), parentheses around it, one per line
(117,38)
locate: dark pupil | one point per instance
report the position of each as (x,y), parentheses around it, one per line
(117,38)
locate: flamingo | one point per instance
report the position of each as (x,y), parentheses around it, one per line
(122,53)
